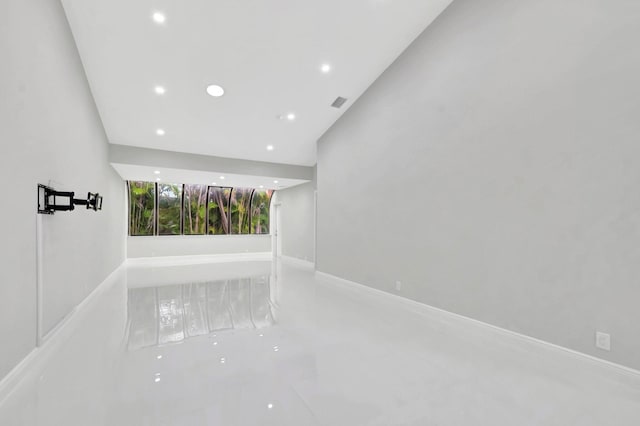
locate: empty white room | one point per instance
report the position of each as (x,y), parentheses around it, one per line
(327,213)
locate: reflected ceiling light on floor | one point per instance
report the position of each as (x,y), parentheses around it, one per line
(159,90)
(221,177)
(275,181)
(269,406)
(159,357)
(291,116)
(261,186)
(276,349)
(160,132)
(213,183)
(269,147)
(215,343)
(159,18)
(157,379)
(222,360)
(325,68)
(157,172)
(158,179)
(215,90)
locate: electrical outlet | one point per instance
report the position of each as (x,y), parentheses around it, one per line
(603,341)
(398,286)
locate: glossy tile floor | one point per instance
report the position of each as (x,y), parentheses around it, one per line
(256,343)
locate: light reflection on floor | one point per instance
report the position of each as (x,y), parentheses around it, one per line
(256,343)
(171,313)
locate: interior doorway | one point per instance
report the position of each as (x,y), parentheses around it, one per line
(276,244)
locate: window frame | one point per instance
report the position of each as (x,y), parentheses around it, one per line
(230,188)
(157,213)
(268,209)
(156,208)
(206,206)
(248,212)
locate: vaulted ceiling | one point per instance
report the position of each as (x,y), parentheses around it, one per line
(281,64)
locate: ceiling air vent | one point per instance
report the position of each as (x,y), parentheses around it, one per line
(339,102)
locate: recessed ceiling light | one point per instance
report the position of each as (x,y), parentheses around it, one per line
(291,116)
(159,18)
(157,379)
(157,172)
(159,90)
(275,181)
(325,68)
(269,147)
(215,90)
(160,132)
(159,357)
(222,177)
(269,406)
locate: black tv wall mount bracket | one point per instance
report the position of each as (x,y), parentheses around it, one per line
(51,201)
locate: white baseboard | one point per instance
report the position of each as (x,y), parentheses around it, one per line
(54,338)
(199,258)
(11,380)
(419,306)
(298,262)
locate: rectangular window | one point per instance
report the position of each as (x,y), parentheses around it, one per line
(169,211)
(177,209)
(240,203)
(195,213)
(142,206)
(260,203)
(219,210)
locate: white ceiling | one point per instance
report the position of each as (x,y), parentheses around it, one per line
(266,54)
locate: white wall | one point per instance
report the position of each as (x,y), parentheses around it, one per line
(493,170)
(297,221)
(49,132)
(131,155)
(190,245)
